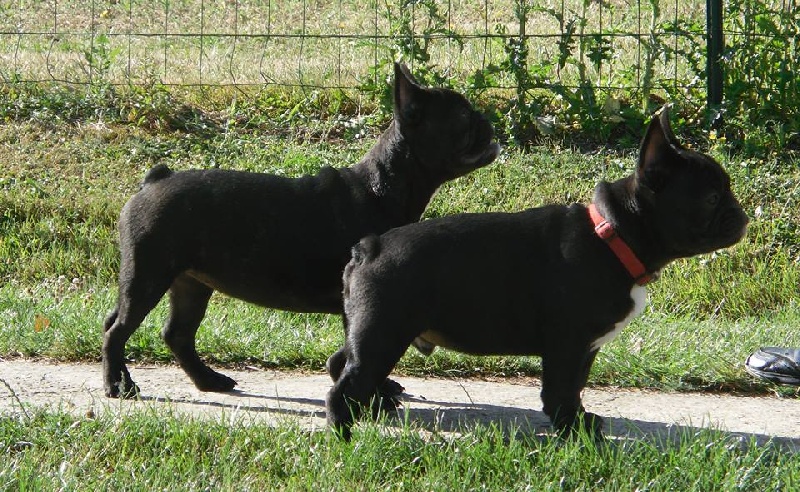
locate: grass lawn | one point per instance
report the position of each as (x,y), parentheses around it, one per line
(63,183)
(162,451)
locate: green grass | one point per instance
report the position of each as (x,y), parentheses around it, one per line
(63,185)
(159,450)
(69,163)
(655,351)
(71,157)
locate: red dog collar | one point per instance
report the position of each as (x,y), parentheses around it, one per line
(606,232)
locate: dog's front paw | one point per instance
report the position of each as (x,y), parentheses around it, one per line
(126,389)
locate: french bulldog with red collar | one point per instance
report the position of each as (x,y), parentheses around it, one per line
(557,281)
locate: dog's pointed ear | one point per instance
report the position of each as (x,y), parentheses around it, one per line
(659,153)
(666,127)
(406,95)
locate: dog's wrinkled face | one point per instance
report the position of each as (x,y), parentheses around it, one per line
(427,117)
(688,193)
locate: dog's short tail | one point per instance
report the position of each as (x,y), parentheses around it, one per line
(366,249)
(159,172)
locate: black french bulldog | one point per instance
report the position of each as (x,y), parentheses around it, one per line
(556,281)
(276,241)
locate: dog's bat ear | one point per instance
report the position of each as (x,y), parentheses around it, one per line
(659,152)
(666,127)
(401,69)
(406,95)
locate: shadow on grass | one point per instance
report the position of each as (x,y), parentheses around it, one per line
(451,417)
(448,417)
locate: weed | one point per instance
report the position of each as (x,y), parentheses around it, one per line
(762,89)
(410,44)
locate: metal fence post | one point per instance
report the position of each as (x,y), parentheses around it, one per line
(714,49)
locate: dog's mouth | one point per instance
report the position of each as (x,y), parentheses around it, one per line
(733,226)
(483,157)
(484,150)
(729,230)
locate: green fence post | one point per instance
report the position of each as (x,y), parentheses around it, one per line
(714,48)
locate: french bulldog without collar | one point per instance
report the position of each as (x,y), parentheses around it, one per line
(557,281)
(276,241)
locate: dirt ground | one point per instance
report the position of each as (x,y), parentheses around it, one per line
(435,404)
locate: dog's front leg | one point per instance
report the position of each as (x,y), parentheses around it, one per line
(565,371)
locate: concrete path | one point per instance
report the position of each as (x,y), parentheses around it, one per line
(435,404)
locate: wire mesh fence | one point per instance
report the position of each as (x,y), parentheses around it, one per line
(591,60)
(345,43)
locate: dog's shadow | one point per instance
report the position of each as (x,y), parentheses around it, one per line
(437,417)
(456,417)
(276,408)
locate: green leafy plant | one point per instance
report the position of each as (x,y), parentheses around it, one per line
(517,118)
(409,43)
(762,84)
(100,57)
(579,101)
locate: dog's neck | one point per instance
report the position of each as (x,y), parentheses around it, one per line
(619,203)
(606,231)
(404,195)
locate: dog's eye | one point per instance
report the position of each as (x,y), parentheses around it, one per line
(712,200)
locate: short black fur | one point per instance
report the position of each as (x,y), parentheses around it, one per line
(537,282)
(275,241)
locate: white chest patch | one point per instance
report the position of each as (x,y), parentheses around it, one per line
(639,298)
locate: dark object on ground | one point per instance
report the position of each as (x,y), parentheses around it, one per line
(556,281)
(777,364)
(275,241)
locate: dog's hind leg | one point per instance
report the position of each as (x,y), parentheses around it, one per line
(335,364)
(136,299)
(389,389)
(371,354)
(188,302)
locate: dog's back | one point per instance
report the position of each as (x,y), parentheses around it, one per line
(275,241)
